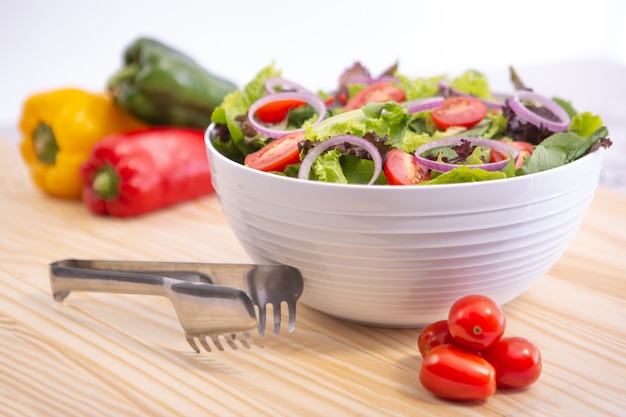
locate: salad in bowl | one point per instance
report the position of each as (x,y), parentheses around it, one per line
(292,167)
(394,129)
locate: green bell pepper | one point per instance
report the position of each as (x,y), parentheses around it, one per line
(165,87)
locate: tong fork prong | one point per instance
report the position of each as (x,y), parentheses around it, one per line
(217,342)
(277,313)
(192,343)
(215,339)
(292,317)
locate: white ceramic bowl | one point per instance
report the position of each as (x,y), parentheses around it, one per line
(398,256)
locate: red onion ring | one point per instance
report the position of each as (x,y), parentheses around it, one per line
(363,79)
(307,162)
(533,118)
(443,85)
(501,147)
(272,82)
(422,104)
(308,98)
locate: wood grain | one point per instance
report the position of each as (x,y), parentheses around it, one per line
(124,355)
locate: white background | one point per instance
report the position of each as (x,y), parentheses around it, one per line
(576,49)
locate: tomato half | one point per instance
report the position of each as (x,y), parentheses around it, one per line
(453,373)
(517,362)
(459,111)
(476,322)
(434,334)
(276,155)
(525,149)
(402,168)
(375,93)
(276,111)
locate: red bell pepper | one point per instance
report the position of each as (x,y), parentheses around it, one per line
(134,173)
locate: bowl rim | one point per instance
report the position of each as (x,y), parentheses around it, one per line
(597,153)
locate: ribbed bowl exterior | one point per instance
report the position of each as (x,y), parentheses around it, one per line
(400,256)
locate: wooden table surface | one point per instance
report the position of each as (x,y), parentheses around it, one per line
(126,355)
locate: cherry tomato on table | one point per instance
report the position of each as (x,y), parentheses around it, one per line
(276,111)
(454,373)
(517,362)
(459,111)
(402,168)
(276,155)
(476,322)
(375,93)
(434,334)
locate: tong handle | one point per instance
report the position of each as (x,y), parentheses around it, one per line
(72,275)
(231,275)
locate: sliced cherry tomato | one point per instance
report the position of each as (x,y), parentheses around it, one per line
(476,322)
(517,362)
(276,155)
(453,373)
(434,334)
(525,149)
(375,93)
(459,111)
(276,111)
(402,168)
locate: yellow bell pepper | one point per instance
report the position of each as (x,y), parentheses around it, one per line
(59,128)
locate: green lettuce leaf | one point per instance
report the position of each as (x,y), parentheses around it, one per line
(560,149)
(327,168)
(496,127)
(472,82)
(584,124)
(332,166)
(360,171)
(237,103)
(566,105)
(465,174)
(385,119)
(415,88)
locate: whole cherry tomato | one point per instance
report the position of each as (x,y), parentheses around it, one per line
(434,334)
(454,373)
(476,322)
(517,362)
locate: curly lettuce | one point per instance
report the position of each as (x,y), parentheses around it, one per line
(388,119)
(236,104)
(472,82)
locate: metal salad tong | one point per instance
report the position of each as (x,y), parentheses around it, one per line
(211,300)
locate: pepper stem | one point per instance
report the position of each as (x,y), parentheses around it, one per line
(45,144)
(105,183)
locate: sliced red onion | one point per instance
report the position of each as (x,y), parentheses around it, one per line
(369,147)
(500,147)
(522,111)
(423,104)
(288,86)
(443,85)
(308,98)
(364,79)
